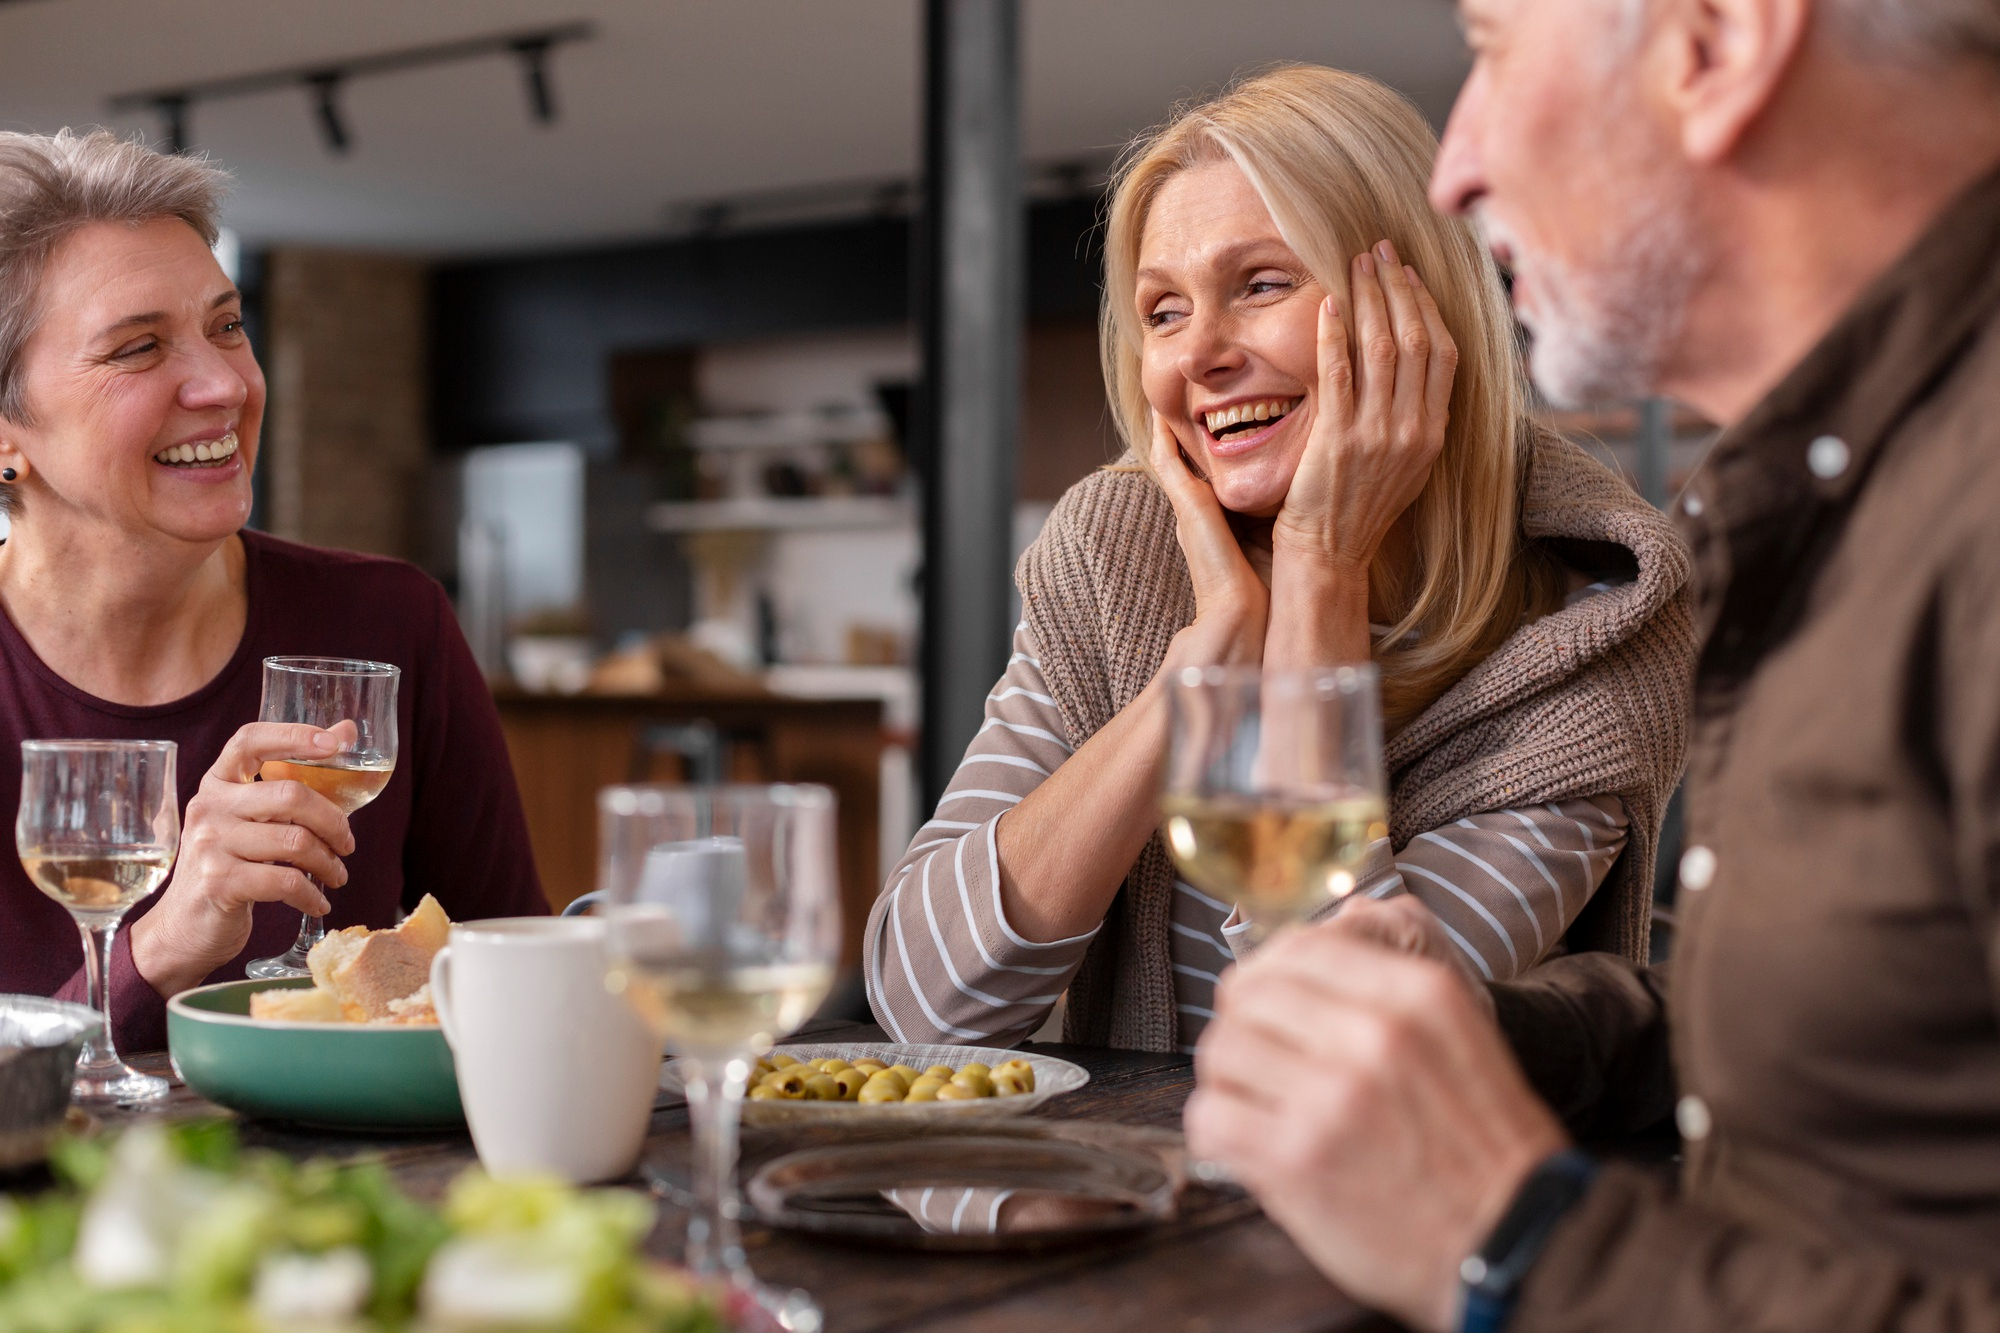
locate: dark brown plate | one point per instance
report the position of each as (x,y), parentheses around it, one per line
(964,1193)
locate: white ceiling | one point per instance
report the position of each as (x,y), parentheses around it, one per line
(673,100)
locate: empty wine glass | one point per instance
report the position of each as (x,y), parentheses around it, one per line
(1275,789)
(723,919)
(98,830)
(325,692)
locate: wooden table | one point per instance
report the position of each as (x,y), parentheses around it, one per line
(1221,1267)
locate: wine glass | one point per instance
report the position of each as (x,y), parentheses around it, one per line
(99,826)
(1274,789)
(723,920)
(325,692)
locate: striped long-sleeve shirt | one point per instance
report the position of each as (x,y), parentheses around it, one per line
(944,964)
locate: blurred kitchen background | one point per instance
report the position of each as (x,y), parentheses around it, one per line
(717,355)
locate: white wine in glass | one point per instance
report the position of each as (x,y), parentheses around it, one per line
(723,914)
(1275,791)
(325,692)
(98,830)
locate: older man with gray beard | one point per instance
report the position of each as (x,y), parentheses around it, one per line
(1786,213)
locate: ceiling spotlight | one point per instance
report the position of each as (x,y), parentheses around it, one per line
(326,90)
(173,109)
(534,53)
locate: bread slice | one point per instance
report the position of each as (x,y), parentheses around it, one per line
(414,1010)
(296,1006)
(367,969)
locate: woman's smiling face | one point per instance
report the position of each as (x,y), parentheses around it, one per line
(1230,319)
(143,397)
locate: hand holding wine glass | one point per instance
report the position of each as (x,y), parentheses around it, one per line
(243,842)
(355,701)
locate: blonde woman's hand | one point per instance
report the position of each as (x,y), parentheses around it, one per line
(1231,602)
(1384,399)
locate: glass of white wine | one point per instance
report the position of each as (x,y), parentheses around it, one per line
(723,911)
(99,827)
(325,692)
(1275,789)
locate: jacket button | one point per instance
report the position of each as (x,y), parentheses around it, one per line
(1692,1118)
(1697,868)
(1827,457)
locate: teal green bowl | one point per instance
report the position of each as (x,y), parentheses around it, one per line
(336,1075)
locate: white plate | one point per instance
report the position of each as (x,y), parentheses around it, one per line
(1053,1077)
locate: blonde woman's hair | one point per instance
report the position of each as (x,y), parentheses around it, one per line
(1343,162)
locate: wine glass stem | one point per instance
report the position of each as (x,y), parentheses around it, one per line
(715,1105)
(312,929)
(100,1053)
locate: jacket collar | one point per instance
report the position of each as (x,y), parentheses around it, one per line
(1758,505)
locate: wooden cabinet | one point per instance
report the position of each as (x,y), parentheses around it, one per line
(566,749)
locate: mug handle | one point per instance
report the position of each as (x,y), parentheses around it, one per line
(441,993)
(583,902)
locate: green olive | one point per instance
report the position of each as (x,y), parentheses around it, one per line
(787,1083)
(870,1065)
(975,1067)
(977,1084)
(958,1092)
(881,1090)
(941,1071)
(763,1092)
(828,1065)
(909,1074)
(851,1082)
(779,1060)
(822,1088)
(1017,1072)
(1011,1082)
(925,1090)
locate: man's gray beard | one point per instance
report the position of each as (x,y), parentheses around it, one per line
(1606,335)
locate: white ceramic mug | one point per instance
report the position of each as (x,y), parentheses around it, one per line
(557,1074)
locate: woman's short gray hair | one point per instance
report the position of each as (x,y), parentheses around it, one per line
(54,184)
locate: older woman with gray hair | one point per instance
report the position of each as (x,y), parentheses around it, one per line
(137,605)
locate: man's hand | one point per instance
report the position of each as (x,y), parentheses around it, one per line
(1405,925)
(1372,1107)
(244,842)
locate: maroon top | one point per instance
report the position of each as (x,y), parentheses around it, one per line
(448,823)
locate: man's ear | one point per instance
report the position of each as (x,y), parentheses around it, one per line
(1724,61)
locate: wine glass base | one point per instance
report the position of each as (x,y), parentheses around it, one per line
(117,1083)
(290,963)
(788,1308)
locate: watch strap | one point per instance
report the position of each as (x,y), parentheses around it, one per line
(1490,1278)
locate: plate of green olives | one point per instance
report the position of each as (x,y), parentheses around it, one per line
(882,1083)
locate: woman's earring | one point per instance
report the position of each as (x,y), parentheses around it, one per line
(8,474)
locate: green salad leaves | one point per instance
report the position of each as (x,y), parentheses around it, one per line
(177,1229)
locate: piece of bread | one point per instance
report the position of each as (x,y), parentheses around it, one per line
(296,1006)
(367,969)
(413,1010)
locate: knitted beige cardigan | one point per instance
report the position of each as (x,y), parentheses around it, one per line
(1590,700)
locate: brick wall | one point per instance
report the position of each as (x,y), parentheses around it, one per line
(345,439)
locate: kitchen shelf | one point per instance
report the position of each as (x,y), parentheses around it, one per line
(807,514)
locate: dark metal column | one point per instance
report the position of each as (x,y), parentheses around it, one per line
(971,265)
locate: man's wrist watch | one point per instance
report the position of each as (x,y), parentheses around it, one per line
(1490,1278)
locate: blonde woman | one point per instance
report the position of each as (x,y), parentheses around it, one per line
(1330,460)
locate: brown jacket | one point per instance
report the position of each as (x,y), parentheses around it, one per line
(1835,995)
(1590,700)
